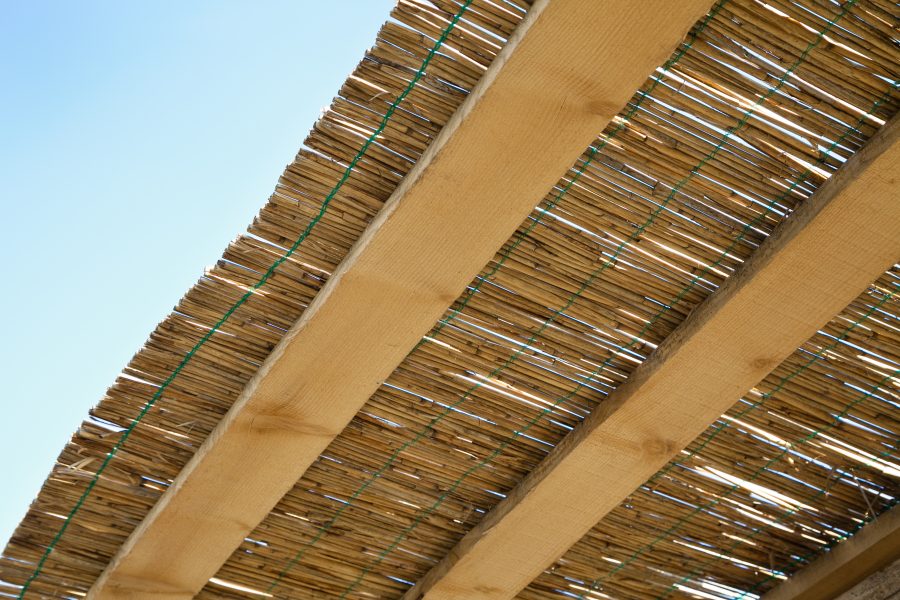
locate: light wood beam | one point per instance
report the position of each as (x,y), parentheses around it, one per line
(876,546)
(813,266)
(568,69)
(881,585)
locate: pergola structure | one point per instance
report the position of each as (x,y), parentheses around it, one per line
(562,299)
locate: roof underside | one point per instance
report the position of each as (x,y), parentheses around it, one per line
(754,111)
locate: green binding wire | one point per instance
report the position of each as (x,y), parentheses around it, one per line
(262,281)
(473,290)
(571,301)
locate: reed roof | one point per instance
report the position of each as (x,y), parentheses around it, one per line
(753,112)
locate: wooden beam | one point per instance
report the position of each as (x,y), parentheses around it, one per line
(570,66)
(813,266)
(881,585)
(876,546)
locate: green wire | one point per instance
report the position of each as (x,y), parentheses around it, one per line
(741,123)
(262,281)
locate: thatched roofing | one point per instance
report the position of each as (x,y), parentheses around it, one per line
(750,115)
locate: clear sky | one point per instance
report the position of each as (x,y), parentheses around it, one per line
(136,140)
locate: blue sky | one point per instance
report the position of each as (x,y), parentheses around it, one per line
(136,140)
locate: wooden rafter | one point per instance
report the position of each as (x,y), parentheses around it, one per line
(815,263)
